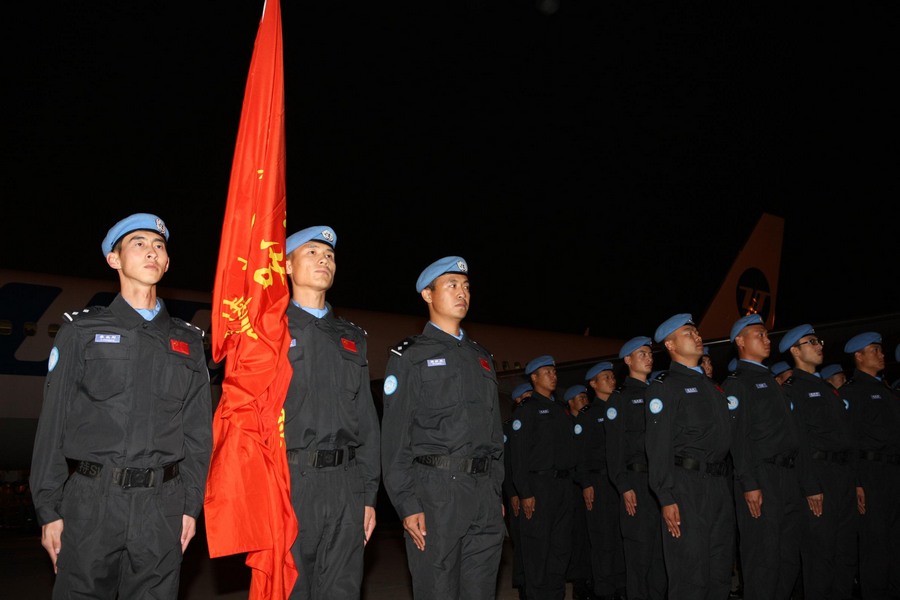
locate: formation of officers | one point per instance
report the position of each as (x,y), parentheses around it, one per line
(786,477)
(659,487)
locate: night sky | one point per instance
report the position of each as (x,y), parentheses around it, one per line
(598,167)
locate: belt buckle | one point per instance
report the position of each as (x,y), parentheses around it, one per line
(329,458)
(479,465)
(136,477)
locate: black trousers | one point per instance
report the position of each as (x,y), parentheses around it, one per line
(513,525)
(828,546)
(119,543)
(770,544)
(465,530)
(547,538)
(607,554)
(645,565)
(879,532)
(698,564)
(330,506)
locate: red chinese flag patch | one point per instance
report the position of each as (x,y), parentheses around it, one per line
(485,364)
(180,346)
(348,344)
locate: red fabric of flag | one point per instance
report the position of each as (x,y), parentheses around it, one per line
(247,506)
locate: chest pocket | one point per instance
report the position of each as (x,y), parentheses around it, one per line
(440,385)
(106,369)
(697,414)
(177,373)
(352,366)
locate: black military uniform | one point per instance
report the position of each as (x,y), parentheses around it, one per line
(544,460)
(626,457)
(607,558)
(688,436)
(127,411)
(827,465)
(332,434)
(875,419)
(765,448)
(442,447)
(513,521)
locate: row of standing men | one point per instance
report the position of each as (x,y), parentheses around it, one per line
(121,456)
(799,480)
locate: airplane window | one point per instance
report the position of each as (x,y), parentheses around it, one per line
(30,328)
(5,327)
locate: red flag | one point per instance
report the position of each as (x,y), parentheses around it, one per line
(247,505)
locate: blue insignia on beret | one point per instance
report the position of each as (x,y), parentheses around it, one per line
(831,370)
(779,368)
(745,321)
(448,264)
(793,336)
(858,342)
(521,389)
(321,233)
(136,222)
(598,368)
(632,345)
(536,363)
(670,325)
(574,391)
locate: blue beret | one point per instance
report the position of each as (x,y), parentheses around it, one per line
(137,221)
(633,344)
(598,368)
(793,336)
(706,350)
(670,325)
(536,363)
(830,370)
(858,342)
(321,233)
(574,391)
(732,365)
(521,389)
(745,321)
(448,264)
(779,367)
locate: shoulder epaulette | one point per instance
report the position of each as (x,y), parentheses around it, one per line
(620,387)
(403,346)
(90,311)
(480,346)
(788,381)
(849,381)
(351,323)
(661,377)
(186,325)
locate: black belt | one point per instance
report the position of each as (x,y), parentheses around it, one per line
(128,477)
(321,458)
(785,460)
(558,473)
(836,456)
(638,467)
(891,459)
(716,469)
(478,465)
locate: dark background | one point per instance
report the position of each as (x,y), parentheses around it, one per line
(599,166)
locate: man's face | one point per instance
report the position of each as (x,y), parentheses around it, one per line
(451,295)
(640,361)
(754,343)
(312,265)
(686,341)
(606,382)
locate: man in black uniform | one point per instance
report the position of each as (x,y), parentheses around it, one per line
(511,496)
(605,534)
(689,433)
(442,445)
(875,423)
(543,460)
(331,428)
(579,570)
(827,469)
(768,501)
(124,438)
(638,510)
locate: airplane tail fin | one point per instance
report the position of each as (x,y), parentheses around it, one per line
(751,285)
